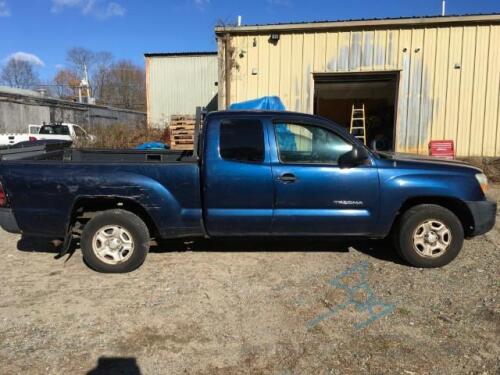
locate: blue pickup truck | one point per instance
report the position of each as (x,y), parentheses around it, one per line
(253,173)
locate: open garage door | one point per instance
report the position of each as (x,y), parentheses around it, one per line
(335,95)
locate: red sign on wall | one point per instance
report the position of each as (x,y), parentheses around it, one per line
(442,149)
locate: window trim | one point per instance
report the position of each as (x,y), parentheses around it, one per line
(264,141)
(302,122)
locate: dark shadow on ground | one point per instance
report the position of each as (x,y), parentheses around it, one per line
(38,244)
(45,245)
(116,365)
(379,249)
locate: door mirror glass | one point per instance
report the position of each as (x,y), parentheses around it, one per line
(300,143)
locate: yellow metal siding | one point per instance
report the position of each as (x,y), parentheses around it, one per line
(428,78)
(478,90)
(449,86)
(491,124)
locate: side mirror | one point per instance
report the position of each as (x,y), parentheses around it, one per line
(356,156)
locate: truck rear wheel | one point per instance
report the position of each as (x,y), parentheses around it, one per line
(428,236)
(115,241)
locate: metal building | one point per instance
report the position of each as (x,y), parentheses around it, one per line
(420,79)
(178,82)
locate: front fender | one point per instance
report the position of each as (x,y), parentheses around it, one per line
(397,189)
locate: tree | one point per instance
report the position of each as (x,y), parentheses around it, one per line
(99,73)
(125,86)
(120,84)
(79,59)
(95,64)
(19,73)
(66,84)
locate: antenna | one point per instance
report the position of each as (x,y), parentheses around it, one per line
(443,8)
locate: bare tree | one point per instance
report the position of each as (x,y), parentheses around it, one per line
(125,86)
(96,63)
(120,84)
(99,73)
(79,59)
(19,73)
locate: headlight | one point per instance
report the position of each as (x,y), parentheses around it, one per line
(483,181)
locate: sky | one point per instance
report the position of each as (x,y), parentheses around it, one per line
(43,30)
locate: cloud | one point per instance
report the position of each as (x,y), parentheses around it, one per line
(115,9)
(4,9)
(98,8)
(25,56)
(201,3)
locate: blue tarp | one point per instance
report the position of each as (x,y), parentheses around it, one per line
(152,146)
(269,103)
(286,139)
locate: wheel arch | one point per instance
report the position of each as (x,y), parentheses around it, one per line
(91,205)
(455,205)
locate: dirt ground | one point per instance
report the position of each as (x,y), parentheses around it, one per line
(251,307)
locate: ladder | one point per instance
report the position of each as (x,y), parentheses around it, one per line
(358,123)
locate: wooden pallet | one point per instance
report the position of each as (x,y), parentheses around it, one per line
(182,129)
(183,137)
(182,118)
(181,146)
(175,128)
(174,124)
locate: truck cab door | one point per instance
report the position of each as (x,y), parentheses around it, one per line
(238,183)
(314,196)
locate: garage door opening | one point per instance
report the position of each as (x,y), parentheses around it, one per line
(335,95)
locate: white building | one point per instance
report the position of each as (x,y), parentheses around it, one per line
(176,83)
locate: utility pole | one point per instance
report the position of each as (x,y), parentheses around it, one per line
(443,8)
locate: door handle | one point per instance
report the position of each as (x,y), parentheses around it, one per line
(287,178)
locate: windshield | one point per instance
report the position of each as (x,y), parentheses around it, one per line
(54,129)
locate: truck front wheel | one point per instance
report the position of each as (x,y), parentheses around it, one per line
(428,236)
(115,241)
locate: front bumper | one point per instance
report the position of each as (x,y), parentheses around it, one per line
(484,214)
(8,221)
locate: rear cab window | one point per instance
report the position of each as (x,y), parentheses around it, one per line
(242,140)
(54,129)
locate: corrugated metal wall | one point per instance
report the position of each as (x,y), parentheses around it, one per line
(449,77)
(178,84)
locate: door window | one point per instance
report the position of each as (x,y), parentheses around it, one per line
(242,140)
(299,143)
(79,132)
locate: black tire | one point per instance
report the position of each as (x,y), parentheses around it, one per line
(411,220)
(122,219)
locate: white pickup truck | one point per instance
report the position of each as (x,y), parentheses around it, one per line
(60,131)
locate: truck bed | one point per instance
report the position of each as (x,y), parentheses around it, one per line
(45,183)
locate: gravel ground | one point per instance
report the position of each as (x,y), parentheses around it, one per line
(251,307)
